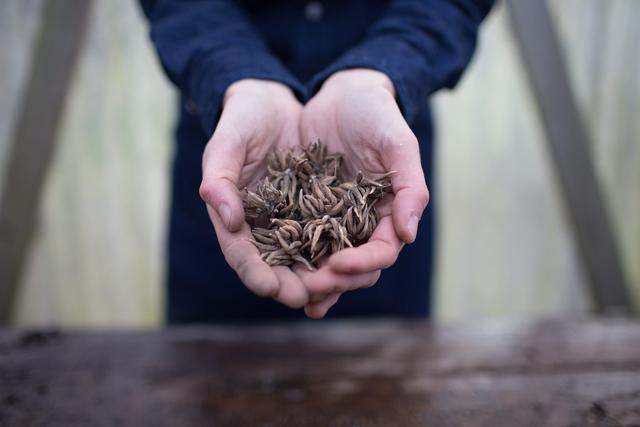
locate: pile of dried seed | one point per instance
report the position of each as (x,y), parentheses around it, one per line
(303,209)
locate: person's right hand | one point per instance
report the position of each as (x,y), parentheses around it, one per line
(356,113)
(258,117)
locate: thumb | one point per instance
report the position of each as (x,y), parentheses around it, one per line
(402,154)
(221,166)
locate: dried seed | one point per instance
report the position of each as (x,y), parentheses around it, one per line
(301,259)
(325,248)
(264,247)
(264,239)
(316,237)
(303,210)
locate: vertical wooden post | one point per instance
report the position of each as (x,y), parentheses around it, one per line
(570,148)
(33,138)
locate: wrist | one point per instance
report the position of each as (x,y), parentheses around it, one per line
(360,79)
(257,87)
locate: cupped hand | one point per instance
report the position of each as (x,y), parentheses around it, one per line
(257,118)
(355,112)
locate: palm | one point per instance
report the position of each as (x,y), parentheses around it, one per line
(354,127)
(273,131)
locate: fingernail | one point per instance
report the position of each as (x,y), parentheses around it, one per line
(225,213)
(412,225)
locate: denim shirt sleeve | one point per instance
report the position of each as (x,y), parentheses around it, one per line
(206,45)
(421,45)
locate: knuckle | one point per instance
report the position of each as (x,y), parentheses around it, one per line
(339,288)
(296,303)
(208,192)
(374,279)
(369,284)
(382,259)
(316,297)
(318,312)
(402,138)
(391,257)
(294,300)
(322,286)
(241,266)
(245,270)
(410,139)
(310,312)
(237,248)
(388,261)
(225,135)
(422,196)
(316,288)
(265,289)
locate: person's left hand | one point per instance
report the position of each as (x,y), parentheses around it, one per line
(356,113)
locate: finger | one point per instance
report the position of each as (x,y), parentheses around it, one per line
(314,298)
(245,259)
(325,280)
(380,252)
(320,309)
(292,292)
(221,166)
(402,155)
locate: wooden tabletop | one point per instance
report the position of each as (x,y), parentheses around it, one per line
(382,373)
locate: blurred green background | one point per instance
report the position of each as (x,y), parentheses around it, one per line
(505,247)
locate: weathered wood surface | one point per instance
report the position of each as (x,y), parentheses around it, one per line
(327,374)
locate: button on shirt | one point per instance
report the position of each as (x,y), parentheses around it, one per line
(314,11)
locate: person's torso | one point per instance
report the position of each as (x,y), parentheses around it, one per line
(307,36)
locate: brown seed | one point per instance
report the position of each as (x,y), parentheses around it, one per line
(303,210)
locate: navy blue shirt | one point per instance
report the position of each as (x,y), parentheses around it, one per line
(205,45)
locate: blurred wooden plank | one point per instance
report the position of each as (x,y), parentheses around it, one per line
(329,373)
(32,144)
(570,148)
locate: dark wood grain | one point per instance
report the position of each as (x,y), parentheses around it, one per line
(55,53)
(326,374)
(570,146)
